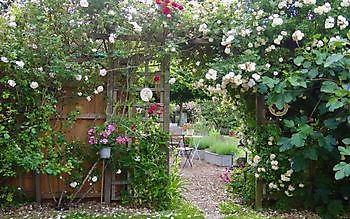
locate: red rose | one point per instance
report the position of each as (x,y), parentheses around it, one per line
(153,108)
(159,2)
(175,4)
(166,1)
(166,10)
(156,78)
(181,7)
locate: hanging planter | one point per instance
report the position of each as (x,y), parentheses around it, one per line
(105,152)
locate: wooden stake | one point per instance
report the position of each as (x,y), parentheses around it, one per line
(102,179)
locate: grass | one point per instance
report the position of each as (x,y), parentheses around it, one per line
(223,145)
(235,211)
(183,211)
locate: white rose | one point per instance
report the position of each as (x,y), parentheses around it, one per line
(80,93)
(4,59)
(34,85)
(227,50)
(84,3)
(12,83)
(73,184)
(112,37)
(276,21)
(256,76)
(94,179)
(172,80)
(20,64)
(342,22)
(103,72)
(99,89)
(298,35)
(329,23)
(272,156)
(78,77)
(88,98)
(309,2)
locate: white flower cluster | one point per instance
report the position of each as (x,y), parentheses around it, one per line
(227,40)
(236,80)
(112,37)
(217,89)
(342,22)
(276,20)
(98,90)
(211,74)
(297,35)
(345,3)
(203,28)
(323,9)
(256,160)
(12,21)
(137,27)
(309,2)
(286,176)
(248,66)
(172,81)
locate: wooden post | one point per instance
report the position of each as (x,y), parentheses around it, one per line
(37,187)
(107,184)
(260,119)
(165,67)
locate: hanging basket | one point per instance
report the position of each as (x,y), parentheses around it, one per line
(105,153)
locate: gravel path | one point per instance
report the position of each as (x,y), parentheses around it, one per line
(204,188)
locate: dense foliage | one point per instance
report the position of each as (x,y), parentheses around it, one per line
(296,53)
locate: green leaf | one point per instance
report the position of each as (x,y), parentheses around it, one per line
(289,123)
(344,150)
(329,87)
(299,60)
(269,81)
(334,104)
(299,163)
(331,123)
(298,140)
(6,136)
(284,144)
(332,59)
(296,81)
(342,170)
(346,140)
(313,73)
(327,142)
(310,153)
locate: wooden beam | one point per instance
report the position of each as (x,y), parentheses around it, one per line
(260,119)
(107,184)
(37,187)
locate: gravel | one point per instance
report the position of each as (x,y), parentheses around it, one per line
(204,188)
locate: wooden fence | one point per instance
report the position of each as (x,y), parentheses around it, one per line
(43,187)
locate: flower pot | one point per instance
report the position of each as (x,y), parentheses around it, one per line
(105,153)
(189,131)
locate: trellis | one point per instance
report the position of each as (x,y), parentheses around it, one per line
(119,96)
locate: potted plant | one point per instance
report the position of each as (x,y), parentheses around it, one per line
(188,128)
(104,138)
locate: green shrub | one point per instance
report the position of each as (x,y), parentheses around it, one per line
(224,146)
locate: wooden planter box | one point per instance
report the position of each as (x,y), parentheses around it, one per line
(219,160)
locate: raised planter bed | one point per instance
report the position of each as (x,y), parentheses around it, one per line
(201,154)
(219,160)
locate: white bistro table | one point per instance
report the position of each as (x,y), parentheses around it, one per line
(195,141)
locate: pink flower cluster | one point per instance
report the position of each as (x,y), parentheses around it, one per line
(106,136)
(225,176)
